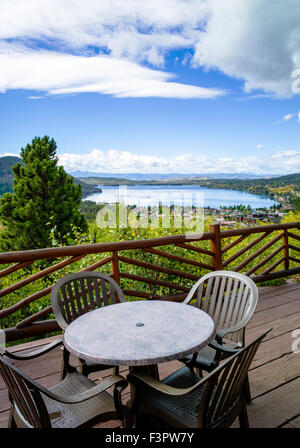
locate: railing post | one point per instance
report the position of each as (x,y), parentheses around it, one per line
(286,249)
(115,269)
(215,247)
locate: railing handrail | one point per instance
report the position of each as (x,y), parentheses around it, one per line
(217,255)
(85,249)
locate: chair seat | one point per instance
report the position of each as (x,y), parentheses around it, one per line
(205,359)
(181,411)
(76,415)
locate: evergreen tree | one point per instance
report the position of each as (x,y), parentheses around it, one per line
(43,208)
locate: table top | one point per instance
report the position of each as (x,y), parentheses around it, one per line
(144,332)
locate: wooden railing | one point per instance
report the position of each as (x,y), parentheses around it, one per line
(161,268)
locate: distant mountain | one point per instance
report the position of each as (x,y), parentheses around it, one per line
(156,176)
(235,183)
(6,163)
(7,177)
(6,174)
(291,178)
(86,188)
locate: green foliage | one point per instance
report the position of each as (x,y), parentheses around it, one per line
(296,204)
(90,209)
(102,235)
(43,207)
(95,234)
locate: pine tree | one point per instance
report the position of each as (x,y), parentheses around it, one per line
(43,207)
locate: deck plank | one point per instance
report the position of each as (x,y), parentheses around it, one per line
(278,290)
(273,349)
(274,301)
(268,316)
(294,423)
(276,407)
(274,374)
(279,326)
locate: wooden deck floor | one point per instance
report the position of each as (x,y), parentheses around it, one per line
(274,374)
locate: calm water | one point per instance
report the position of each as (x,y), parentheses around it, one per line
(145,195)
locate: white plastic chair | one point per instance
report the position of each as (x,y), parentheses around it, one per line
(230,299)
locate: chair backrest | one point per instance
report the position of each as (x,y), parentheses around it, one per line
(76,294)
(229,298)
(25,398)
(226,383)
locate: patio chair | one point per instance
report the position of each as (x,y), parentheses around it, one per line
(76,294)
(74,402)
(185,400)
(230,299)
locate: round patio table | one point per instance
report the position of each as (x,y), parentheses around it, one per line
(139,333)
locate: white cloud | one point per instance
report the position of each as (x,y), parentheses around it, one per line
(96,46)
(287,117)
(115,161)
(6,154)
(60,73)
(259,146)
(253,41)
(246,39)
(143,30)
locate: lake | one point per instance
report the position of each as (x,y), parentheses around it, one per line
(146,195)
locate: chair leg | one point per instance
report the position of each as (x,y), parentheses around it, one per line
(247,390)
(66,366)
(11,421)
(243,415)
(130,419)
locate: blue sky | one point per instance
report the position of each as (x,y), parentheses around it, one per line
(179,86)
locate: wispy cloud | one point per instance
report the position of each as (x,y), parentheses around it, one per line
(236,37)
(115,161)
(59,73)
(287,118)
(33,97)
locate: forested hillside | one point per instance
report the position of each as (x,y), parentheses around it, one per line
(7,177)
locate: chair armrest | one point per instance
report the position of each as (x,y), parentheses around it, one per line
(221,333)
(36,353)
(87,394)
(242,324)
(223,348)
(161,387)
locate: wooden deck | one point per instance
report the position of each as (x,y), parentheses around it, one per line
(274,374)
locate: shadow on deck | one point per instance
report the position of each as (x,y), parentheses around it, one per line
(274,373)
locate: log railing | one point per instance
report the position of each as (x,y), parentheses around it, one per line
(160,268)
